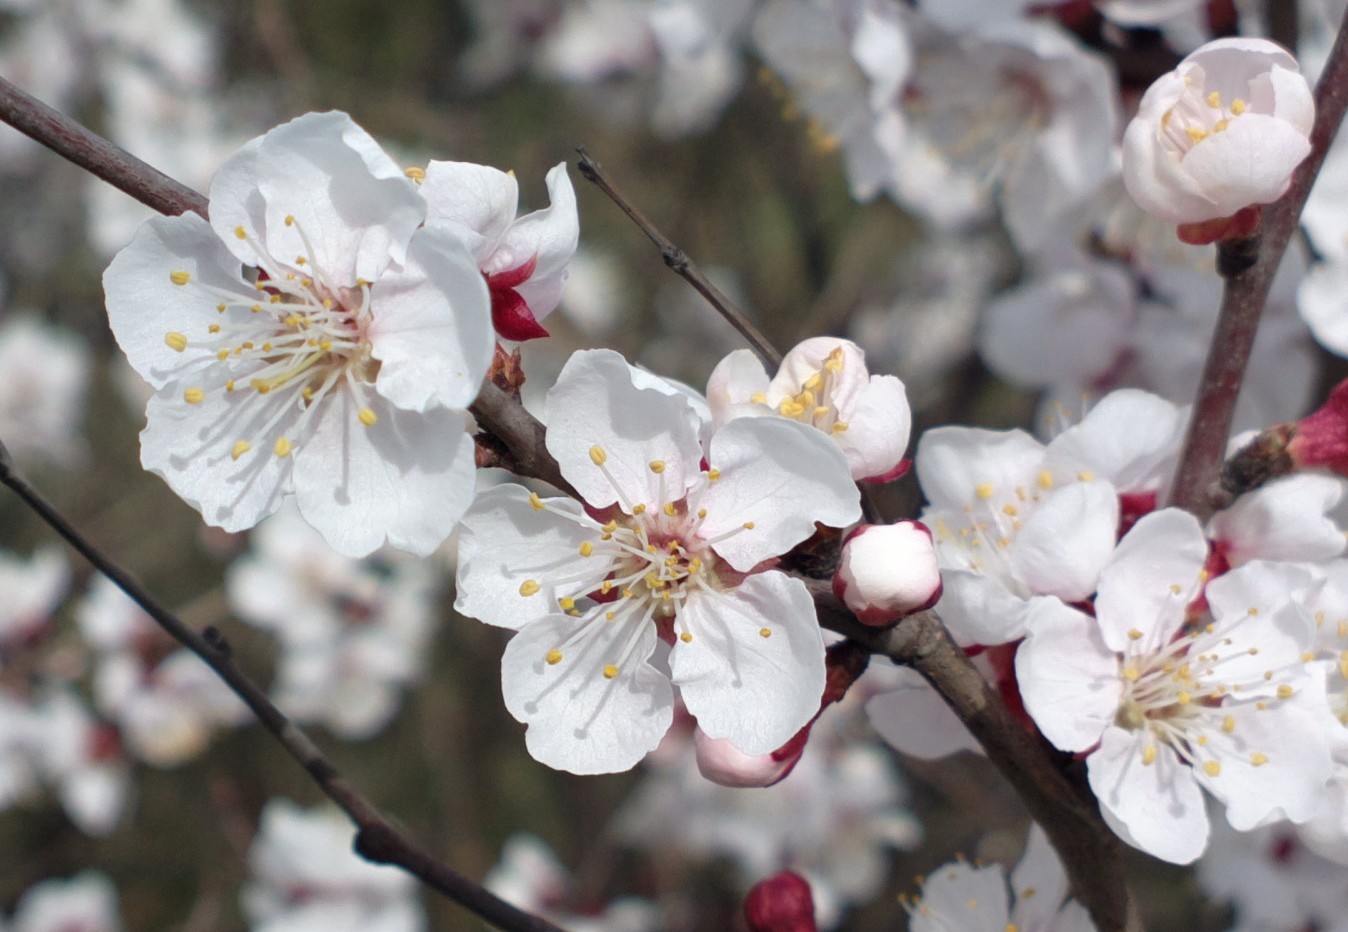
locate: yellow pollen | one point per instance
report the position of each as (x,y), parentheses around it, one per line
(1285,691)
(529,587)
(1131,674)
(535,501)
(814,383)
(1176,588)
(221,307)
(567,603)
(586,549)
(834,361)
(765,632)
(416,173)
(1212,768)
(1010,511)
(657,466)
(609,616)
(748,525)
(1149,754)
(175,341)
(610,671)
(1220,125)
(213,328)
(1252,611)
(984,490)
(669,509)
(256,309)
(240,232)
(1183,698)
(367,417)
(1196,134)
(611,526)
(1258,759)
(282,448)
(1086,475)
(686,637)
(702,512)
(1045,479)
(553,657)
(758,398)
(713,474)
(838,427)
(639,509)
(1134,634)
(229,386)
(180,278)
(194,396)
(240,448)
(598,456)
(1215,100)
(290,220)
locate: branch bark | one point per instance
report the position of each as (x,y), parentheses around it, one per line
(1196,486)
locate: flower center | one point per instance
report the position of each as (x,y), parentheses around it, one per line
(1196,116)
(814,404)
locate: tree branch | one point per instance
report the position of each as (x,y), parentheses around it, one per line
(1246,291)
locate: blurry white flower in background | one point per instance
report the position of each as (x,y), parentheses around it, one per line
(44,374)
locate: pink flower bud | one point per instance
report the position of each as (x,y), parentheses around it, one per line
(888,571)
(1321,437)
(1223,131)
(721,762)
(781,903)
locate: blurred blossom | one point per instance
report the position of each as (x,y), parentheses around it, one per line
(597,294)
(86,902)
(353,634)
(30,591)
(306,875)
(44,374)
(530,876)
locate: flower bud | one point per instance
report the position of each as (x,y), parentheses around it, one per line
(721,762)
(781,903)
(1223,131)
(888,571)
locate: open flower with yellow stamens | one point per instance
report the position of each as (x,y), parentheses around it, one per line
(312,338)
(664,549)
(1163,710)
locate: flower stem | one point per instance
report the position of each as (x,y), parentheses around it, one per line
(1243,298)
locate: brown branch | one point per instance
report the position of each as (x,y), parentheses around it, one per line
(1246,291)
(679,262)
(377,839)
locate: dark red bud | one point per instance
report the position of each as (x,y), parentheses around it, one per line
(782,903)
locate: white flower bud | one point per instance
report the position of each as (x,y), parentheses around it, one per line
(888,571)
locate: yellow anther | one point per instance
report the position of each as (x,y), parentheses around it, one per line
(610,671)
(713,474)
(229,386)
(213,328)
(290,220)
(610,526)
(748,525)
(838,427)
(834,361)
(758,398)
(1258,759)
(567,603)
(639,509)
(240,232)
(282,448)
(256,309)
(175,341)
(586,548)
(1285,691)
(1212,768)
(657,466)
(221,307)
(536,502)
(1044,479)
(180,277)
(1183,698)
(597,455)
(765,632)
(1131,674)
(553,657)
(1215,100)
(194,396)
(984,490)
(367,417)
(1237,106)
(686,637)
(805,399)
(240,448)
(1196,134)
(529,587)
(1086,476)
(261,386)
(669,509)
(814,383)
(1229,724)
(1220,125)
(416,173)
(1149,754)
(609,616)
(1176,588)
(1134,634)
(1010,511)
(606,586)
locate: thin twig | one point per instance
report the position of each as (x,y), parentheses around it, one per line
(679,262)
(377,839)
(1246,291)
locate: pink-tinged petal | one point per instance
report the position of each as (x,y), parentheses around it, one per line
(404,480)
(549,237)
(733,382)
(754,689)
(145,306)
(193,446)
(719,761)
(916,721)
(1154,575)
(1069,680)
(580,720)
(505,541)
(957,465)
(432,327)
(877,428)
(1066,541)
(480,201)
(778,478)
(599,401)
(1275,763)
(1250,162)
(1156,807)
(345,194)
(1283,520)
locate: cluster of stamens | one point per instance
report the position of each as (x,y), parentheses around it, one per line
(813,404)
(1192,119)
(299,338)
(639,568)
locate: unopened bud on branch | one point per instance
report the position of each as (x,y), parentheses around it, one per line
(782,903)
(888,571)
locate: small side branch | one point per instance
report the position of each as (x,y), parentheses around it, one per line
(679,262)
(1246,291)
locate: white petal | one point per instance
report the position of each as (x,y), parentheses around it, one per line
(734,380)
(505,542)
(955,465)
(1283,520)
(405,480)
(962,896)
(432,326)
(1067,539)
(917,722)
(877,428)
(755,691)
(1157,807)
(1068,678)
(1250,162)
(476,198)
(1039,884)
(979,609)
(1154,575)
(1130,437)
(578,719)
(596,403)
(348,197)
(549,237)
